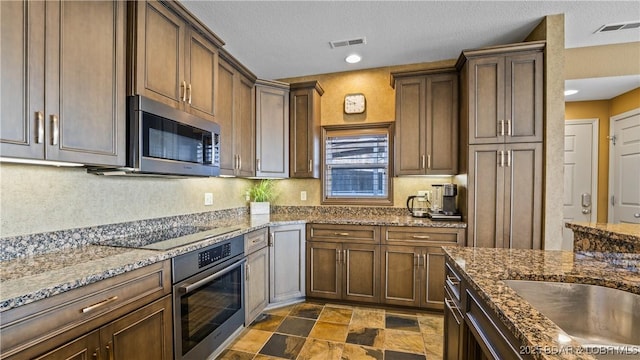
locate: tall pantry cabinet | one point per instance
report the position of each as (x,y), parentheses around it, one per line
(502,144)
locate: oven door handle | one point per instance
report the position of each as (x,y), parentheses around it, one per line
(187,288)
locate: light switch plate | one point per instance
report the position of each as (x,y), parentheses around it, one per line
(303,195)
(208,199)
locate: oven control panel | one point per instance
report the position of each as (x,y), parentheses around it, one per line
(214,254)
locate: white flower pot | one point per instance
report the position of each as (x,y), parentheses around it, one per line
(259,208)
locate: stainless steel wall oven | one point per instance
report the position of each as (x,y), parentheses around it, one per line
(208,303)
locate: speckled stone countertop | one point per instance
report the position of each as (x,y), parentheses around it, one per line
(26,279)
(605,237)
(485,269)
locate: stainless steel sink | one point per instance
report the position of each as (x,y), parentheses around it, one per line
(595,316)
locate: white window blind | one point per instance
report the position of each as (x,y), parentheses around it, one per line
(356,165)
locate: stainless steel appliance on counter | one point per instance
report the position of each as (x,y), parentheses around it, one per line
(162,140)
(443,203)
(208,302)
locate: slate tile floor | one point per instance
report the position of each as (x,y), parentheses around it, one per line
(312,330)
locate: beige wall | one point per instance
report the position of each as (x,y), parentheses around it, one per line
(603,110)
(602,61)
(551,29)
(44,198)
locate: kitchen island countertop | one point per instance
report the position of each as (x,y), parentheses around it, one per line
(485,269)
(27,279)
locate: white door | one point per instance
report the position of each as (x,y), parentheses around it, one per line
(580,174)
(624,168)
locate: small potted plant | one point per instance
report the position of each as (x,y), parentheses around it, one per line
(261,194)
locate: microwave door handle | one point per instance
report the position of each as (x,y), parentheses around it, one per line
(187,288)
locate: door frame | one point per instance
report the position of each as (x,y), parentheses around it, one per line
(595,150)
(612,122)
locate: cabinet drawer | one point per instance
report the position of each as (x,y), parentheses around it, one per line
(415,235)
(255,240)
(63,317)
(452,283)
(343,233)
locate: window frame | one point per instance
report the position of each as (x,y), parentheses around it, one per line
(358,129)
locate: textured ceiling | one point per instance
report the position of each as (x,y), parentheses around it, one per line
(279,39)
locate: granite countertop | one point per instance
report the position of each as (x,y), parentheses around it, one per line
(27,279)
(485,268)
(629,232)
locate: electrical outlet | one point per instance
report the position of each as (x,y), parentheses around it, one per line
(303,195)
(208,199)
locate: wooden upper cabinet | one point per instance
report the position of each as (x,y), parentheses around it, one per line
(504,93)
(304,129)
(272,129)
(426,124)
(78,66)
(174,62)
(235,115)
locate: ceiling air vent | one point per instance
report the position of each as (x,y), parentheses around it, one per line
(620,26)
(350,42)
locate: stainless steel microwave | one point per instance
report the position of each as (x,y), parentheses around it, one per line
(165,141)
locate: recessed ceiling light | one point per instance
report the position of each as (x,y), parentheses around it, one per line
(570,92)
(353,58)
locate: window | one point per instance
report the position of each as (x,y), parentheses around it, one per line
(356,164)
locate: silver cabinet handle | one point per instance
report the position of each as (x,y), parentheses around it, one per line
(421,237)
(272,239)
(508,127)
(424,260)
(429,161)
(258,164)
(636,215)
(341,233)
(416,260)
(40,127)
(310,165)
(422,161)
(501,125)
(344,255)
(586,211)
(509,158)
(99,304)
(500,157)
(239,162)
(453,281)
(453,308)
(338,256)
(189,91)
(55,134)
(183,91)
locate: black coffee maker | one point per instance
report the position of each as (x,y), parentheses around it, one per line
(444,202)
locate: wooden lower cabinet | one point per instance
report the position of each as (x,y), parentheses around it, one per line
(343,271)
(413,276)
(145,334)
(256,284)
(286,263)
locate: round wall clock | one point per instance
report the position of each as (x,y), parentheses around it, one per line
(354,103)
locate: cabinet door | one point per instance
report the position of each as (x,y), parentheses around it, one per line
(523,196)
(324,270)
(145,334)
(286,263)
(160,54)
(225,96)
(523,105)
(201,75)
(305,133)
(442,124)
(245,126)
(85,82)
(486,99)
(83,348)
(361,266)
(257,284)
(485,196)
(432,289)
(400,275)
(410,151)
(272,132)
(22,119)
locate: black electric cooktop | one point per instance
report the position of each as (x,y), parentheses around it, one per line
(168,239)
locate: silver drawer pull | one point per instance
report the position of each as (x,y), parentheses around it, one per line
(101,303)
(40,126)
(421,237)
(341,234)
(453,281)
